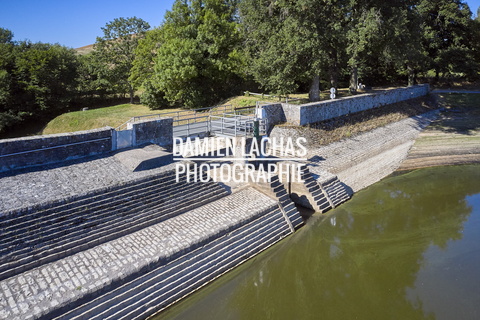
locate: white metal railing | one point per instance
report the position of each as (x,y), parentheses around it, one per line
(183,117)
(236,125)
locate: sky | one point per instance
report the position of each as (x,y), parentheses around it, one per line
(77,23)
(73,23)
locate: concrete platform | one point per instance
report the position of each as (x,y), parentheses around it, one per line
(146,158)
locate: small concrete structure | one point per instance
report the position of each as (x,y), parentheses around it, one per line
(158,131)
(149,157)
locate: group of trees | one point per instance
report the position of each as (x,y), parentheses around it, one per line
(39,81)
(207,50)
(36,79)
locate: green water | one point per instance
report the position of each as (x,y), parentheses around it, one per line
(405,248)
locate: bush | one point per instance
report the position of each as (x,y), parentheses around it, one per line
(153,98)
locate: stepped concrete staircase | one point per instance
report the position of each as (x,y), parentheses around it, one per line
(320,191)
(128,251)
(285,203)
(32,237)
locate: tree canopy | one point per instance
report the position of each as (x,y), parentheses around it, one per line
(116,51)
(36,80)
(198,60)
(207,50)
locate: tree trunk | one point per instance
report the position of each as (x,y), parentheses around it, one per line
(132,93)
(333,70)
(334,75)
(314,94)
(354,80)
(411,76)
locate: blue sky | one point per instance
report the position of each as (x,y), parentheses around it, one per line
(76,23)
(73,23)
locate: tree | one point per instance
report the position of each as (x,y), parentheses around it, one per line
(6,36)
(37,80)
(116,50)
(403,42)
(446,34)
(198,61)
(145,56)
(364,34)
(285,43)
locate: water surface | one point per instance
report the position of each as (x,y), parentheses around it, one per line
(405,248)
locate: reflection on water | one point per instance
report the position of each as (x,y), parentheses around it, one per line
(405,248)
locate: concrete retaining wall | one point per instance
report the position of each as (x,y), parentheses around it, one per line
(324,110)
(38,150)
(29,151)
(158,131)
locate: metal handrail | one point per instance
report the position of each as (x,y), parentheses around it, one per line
(236,125)
(177,115)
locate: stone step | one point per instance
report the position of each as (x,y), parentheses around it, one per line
(103,268)
(74,244)
(94,198)
(75,201)
(81,240)
(78,221)
(82,214)
(79,231)
(159,288)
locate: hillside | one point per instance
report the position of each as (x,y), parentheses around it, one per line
(85,49)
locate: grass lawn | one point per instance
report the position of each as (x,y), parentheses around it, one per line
(97,118)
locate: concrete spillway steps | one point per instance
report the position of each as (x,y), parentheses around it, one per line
(336,191)
(322,202)
(34,236)
(326,189)
(138,274)
(286,203)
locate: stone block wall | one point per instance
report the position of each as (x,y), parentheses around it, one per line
(324,110)
(36,150)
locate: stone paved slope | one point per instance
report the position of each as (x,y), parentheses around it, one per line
(58,285)
(367,158)
(32,186)
(32,237)
(436,147)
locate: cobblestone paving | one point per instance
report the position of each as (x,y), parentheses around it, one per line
(31,186)
(52,285)
(365,159)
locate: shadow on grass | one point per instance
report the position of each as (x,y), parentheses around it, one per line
(461,114)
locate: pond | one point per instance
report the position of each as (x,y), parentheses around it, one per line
(407,247)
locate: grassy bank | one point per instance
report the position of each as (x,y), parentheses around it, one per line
(117,115)
(96,118)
